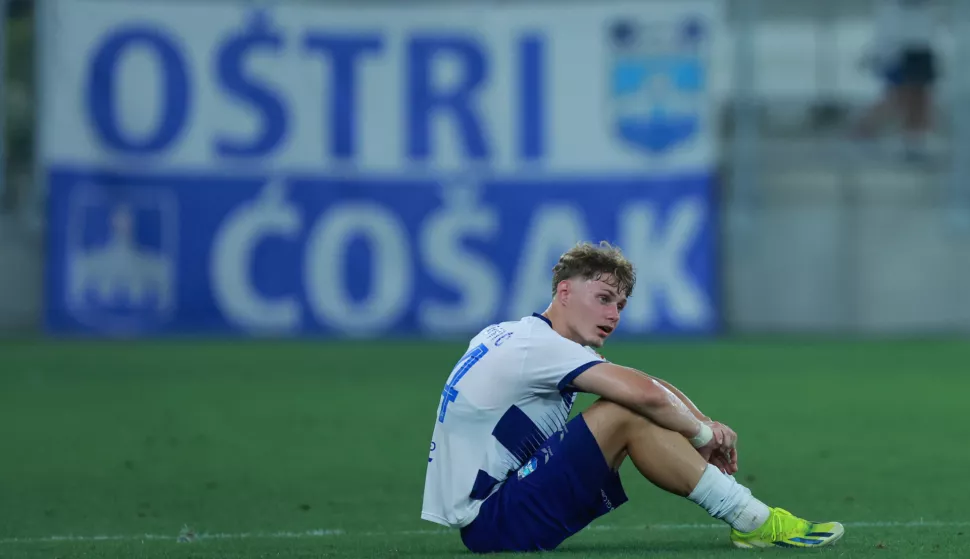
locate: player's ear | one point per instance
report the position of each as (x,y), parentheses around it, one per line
(563,290)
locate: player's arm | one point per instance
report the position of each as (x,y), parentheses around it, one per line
(683,398)
(645,396)
(727,462)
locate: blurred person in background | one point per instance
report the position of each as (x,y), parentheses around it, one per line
(19,98)
(904,57)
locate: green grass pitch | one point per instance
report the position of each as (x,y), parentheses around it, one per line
(312,449)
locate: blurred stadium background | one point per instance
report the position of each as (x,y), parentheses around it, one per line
(257,369)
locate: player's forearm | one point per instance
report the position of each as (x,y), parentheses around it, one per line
(683,398)
(666,409)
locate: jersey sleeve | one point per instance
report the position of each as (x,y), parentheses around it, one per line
(552,366)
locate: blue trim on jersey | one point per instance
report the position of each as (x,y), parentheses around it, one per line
(483,486)
(518,434)
(542,318)
(564,383)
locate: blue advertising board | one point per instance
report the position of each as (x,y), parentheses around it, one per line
(400,172)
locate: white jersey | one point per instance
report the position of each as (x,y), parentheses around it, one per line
(503,399)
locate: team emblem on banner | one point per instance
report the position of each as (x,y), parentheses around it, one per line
(121,258)
(657,82)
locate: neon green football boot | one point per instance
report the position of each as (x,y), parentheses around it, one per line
(783,529)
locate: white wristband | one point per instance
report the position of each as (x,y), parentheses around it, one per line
(704,437)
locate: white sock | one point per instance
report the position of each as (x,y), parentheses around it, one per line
(726,499)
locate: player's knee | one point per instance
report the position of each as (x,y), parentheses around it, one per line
(605,416)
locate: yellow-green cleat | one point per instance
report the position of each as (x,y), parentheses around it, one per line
(783,529)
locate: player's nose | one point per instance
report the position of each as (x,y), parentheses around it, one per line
(613,313)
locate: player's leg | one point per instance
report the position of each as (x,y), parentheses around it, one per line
(890,105)
(669,461)
(665,458)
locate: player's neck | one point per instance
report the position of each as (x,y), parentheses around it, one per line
(559,324)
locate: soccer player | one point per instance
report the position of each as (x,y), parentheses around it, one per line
(508,470)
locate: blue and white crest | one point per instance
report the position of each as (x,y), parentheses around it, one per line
(528,467)
(657,82)
(121,256)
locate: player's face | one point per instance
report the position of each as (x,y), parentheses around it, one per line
(594,309)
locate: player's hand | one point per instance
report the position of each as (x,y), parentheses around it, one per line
(725,436)
(725,460)
(712,446)
(720,450)
(722,461)
(725,456)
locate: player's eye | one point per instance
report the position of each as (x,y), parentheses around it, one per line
(604,299)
